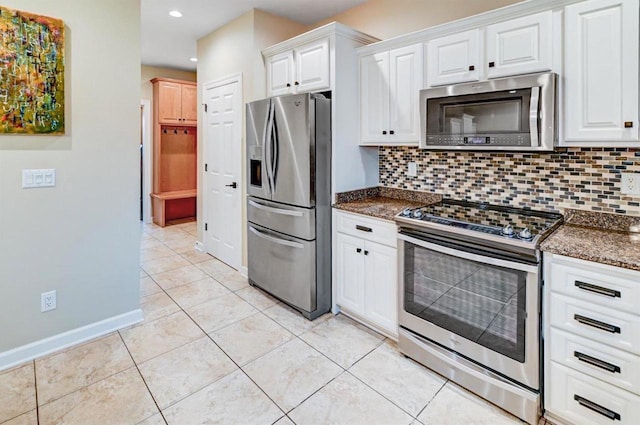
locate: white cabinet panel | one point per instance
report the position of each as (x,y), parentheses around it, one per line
(405,77)
(303,69)
(280,74)
(374,98)
(381,292)
(601,78)
(312,66)
(350,273)
(390,82)
(583,400)
(454,58)
(520,46)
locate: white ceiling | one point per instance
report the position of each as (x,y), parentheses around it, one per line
(170,42)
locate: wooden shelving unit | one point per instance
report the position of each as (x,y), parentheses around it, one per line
(175,150)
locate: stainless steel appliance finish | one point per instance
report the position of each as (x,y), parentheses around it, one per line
(288,207)
(510,114)
(470,297)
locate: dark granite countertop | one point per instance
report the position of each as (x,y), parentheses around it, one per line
(383,202)
(603,238)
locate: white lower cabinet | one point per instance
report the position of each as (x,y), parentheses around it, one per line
(365,271)
(592,343)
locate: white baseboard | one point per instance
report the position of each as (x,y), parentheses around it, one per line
(58,342)
(244,271)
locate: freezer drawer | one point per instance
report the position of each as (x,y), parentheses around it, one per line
(283,266)
(294,221)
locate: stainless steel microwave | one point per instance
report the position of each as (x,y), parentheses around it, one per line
(509,114)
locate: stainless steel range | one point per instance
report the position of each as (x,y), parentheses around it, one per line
(470,297)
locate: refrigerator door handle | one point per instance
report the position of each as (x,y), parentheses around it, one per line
(276,150)
(275,240)
(275,210)
(268,135)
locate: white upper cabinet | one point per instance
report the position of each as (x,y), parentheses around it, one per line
(390,83)
(454,58)
(601,71)
(520,46)
(280,73)
(302,69)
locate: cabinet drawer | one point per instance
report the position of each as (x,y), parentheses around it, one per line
(587,401)
(604,362)
(597,284)
(602,324)
(367,228)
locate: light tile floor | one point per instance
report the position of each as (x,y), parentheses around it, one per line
(214,350)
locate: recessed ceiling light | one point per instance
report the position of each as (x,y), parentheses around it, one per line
(193,59)
(175,14)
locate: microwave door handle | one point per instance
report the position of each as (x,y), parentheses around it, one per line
(534,107)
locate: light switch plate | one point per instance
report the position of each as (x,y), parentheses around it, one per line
(39,178)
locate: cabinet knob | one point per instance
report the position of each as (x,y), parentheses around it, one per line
(492,64)
(296,83)
(628,124)
(392,132)
(288,84)
(384,131)
(358,250)
(366,252)
(472,67)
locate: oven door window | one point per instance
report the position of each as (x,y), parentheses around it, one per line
(480,302)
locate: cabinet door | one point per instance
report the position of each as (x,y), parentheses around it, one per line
(405,76)
(169,102)
(312,67)
(381,286)
(280,74)
(520,46)
(601,75)
(374,98)
(454,58)
(350,273)
(189,105)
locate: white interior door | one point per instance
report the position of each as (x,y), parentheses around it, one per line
(223,182)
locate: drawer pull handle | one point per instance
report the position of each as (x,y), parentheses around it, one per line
(596,408)
(598,289)
(597,324)
(596,362)
(364,228)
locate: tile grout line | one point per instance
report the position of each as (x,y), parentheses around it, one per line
(144,381)
(35,388)
(434,396)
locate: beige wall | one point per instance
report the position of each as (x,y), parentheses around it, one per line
(390,18)
(232,49)
(149,72)
(81,237)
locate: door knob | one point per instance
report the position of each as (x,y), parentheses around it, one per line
(232,185)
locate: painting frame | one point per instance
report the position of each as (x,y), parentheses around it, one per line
(32,73)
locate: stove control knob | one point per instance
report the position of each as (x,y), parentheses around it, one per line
(417,213)
(507,230)
(406,212)
(525,234)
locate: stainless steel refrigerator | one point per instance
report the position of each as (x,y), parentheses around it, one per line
(289,200)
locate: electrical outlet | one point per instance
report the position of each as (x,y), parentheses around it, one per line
(413,169)
(630,183)
(48,301)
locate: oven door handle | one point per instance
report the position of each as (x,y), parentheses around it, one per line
(469,256)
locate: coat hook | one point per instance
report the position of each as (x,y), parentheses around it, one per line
(185,131)
(175,131)
(164,130)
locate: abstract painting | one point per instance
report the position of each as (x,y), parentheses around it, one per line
(31,73)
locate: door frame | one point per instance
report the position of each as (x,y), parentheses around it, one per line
(229,79)
(147,152)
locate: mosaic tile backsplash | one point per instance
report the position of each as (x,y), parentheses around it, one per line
(580,178)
